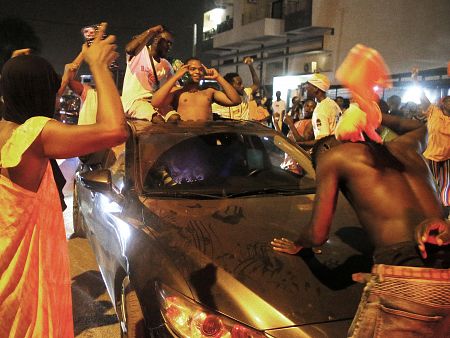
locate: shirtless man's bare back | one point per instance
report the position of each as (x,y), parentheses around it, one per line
(190,101)
(393,194)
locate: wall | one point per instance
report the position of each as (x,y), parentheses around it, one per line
(407,33)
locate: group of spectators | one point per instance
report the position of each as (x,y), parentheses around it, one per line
(157,91)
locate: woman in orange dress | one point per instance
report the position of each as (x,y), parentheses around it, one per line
(35,294)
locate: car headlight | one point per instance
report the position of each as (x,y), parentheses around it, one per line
(189,319)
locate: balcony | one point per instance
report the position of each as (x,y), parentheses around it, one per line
(268,23)
(269,10)
(298,16)
(263,31)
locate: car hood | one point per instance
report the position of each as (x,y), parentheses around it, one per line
(222,248)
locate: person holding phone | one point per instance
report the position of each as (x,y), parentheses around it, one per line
(35,292)
(190,100)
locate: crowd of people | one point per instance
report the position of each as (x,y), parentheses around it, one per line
(373,176)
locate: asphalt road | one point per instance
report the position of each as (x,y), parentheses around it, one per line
(93,312)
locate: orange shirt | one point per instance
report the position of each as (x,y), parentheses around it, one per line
(35,285)
(438,148)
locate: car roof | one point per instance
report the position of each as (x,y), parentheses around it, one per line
(141,127)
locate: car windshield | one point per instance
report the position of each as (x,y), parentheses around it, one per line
(223,164)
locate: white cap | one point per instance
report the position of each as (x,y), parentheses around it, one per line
(320,81)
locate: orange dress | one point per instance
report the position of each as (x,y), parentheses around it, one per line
(35,291)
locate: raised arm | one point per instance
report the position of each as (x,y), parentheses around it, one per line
(255,78)
(60,140)
(400,125)
(229,97)
(138,42)
(425,102)
(68,78)
(413,132)
(163,96)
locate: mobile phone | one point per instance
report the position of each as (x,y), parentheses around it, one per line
(186,78)
(90,32)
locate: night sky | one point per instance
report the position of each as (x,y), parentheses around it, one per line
(58,23)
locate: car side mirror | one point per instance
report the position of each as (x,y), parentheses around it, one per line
(97,180)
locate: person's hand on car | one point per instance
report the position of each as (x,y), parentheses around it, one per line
(285,245)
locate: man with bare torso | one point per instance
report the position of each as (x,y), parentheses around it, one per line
(394,196)
(191,101)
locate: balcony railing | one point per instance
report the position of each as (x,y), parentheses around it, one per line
(269,10)
(220,28)
(298,15)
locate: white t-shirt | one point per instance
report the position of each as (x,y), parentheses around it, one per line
(325,118)
(239,112)
(278,107)
(139,81)
(88,111)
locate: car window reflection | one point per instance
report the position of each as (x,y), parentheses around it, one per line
(221,164)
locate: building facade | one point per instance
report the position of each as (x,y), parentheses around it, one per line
(299,37)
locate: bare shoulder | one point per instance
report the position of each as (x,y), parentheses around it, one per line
(346,157)
(6,130)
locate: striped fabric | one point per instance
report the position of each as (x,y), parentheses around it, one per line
(441,173)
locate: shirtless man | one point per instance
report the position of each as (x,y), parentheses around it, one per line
(392,192)
(190,101)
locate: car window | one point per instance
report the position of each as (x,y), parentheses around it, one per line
(223,164)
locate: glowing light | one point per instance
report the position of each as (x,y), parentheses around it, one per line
(216,15)
(376,88)
(189,320)
(286,83)
(211,326)
(413,94)
(109,206)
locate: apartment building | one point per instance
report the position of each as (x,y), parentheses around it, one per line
(294,38)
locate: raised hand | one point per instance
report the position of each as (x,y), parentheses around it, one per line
(181,71)
(211,73)
(285,245)
(288,119)
(414,74)
(24,51)
(433,231)
(248,60)
(156,29)
(101,52)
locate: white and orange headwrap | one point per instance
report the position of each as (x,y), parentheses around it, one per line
(361,71)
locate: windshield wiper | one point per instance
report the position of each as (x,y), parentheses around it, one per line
(263,191)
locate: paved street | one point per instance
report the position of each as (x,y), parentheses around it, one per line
(93,313)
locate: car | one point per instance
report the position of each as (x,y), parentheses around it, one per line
(180,219)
